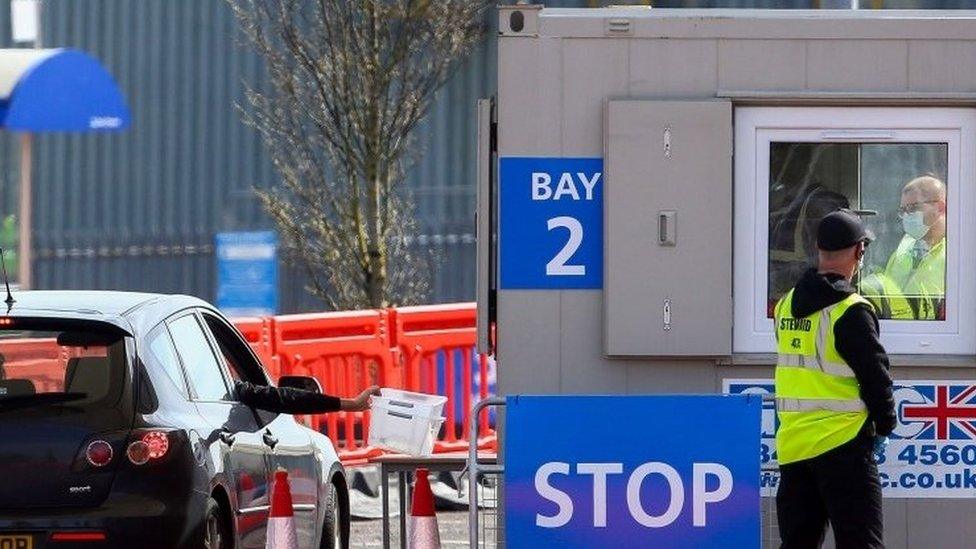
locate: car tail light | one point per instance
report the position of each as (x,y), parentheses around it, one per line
(152,445)
(75,537)
(99,453)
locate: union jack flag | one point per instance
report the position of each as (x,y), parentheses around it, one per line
(939,411)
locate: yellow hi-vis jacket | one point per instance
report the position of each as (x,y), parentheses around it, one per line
(818,398)
(924,284)
(886,297)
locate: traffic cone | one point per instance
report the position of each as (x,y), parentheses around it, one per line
(281,521)
(423,522)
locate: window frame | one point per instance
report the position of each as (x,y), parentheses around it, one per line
(201,324)
(162,329)
(756,127)
(243,353)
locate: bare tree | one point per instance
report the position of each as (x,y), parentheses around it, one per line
(349,82)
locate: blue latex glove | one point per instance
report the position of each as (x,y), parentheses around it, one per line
(880,444)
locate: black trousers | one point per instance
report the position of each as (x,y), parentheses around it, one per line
(840,486)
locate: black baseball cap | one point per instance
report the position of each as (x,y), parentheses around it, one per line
(841,229)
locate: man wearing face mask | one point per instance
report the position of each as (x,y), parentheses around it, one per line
(917,266)
(833,398)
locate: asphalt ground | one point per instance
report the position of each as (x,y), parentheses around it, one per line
(452,515)
(453,527)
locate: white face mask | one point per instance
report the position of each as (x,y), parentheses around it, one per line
(914,225)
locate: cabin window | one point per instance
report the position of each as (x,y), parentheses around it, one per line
(903,171)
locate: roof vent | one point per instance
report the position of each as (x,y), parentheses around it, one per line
(618,27)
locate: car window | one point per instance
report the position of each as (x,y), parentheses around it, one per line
(50,363)
(199,361)
(162,358)
(235,353)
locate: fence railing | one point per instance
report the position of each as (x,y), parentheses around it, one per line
(429,349)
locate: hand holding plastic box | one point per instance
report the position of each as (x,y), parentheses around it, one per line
(406,422)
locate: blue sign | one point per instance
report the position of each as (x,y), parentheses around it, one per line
(247,273)
(641,471)
(551,223)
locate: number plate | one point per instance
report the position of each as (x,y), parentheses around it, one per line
(16,542)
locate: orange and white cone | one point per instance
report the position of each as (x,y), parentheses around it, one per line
(281,521)
(423,522)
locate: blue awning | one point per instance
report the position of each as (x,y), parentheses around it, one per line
(52,90)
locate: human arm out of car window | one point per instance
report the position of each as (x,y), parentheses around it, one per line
(288,400)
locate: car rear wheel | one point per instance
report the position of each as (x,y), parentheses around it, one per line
(215,533)
(333,528)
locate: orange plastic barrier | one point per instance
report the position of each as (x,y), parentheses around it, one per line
(425,333)
(428,349)
(347,352)
(260,335)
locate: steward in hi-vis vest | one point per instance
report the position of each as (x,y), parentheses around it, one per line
(918,264)
(818,397)
(833,398)
(920,275)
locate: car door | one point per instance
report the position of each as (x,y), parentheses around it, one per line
(290,446)
(235,427)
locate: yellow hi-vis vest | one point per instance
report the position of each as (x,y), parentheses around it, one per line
(924,284)
(886,297)
(818,399)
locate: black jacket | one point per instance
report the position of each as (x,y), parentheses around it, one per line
(856,339)
(285,400)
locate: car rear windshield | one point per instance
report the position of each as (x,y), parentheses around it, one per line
(47,364)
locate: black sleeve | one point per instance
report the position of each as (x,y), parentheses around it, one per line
(285,400)
(856,337)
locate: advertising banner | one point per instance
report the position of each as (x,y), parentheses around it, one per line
(632,471)
(931,454)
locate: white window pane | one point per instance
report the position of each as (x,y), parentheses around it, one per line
(905,274)
(163,357)
(198,359)
(899,188)
(807,181)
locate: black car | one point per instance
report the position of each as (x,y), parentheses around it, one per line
(118,428)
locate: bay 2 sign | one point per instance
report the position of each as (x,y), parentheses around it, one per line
(632,471)
(551,223)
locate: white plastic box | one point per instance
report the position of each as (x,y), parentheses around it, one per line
(406,422)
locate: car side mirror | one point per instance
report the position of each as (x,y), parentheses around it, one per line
(304,383)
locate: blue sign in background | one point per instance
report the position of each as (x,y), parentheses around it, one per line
(247,273)
(677,430)
(559,214)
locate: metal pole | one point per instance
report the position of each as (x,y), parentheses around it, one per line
(40,24)
(385,478)
(26,186)
(402,486)
(24,221)
(839,4)
(473,468)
